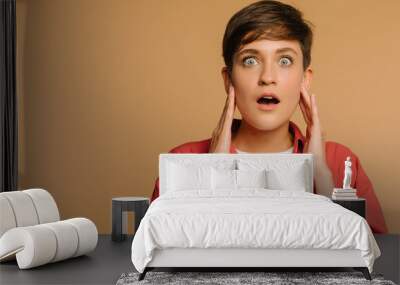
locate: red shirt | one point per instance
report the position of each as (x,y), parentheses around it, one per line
(336,154)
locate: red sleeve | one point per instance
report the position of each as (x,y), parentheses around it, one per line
(156,191)
(365,190)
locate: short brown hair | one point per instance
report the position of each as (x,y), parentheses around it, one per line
(267,19)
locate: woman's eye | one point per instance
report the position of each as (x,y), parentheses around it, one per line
(286,60)
(249,60)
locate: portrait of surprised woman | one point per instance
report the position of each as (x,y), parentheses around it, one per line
(267,75)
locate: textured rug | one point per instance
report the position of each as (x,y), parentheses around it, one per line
(225,278)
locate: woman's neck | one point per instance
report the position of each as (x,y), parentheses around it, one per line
(250,139)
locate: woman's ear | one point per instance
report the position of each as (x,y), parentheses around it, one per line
(227,78)
(307,78)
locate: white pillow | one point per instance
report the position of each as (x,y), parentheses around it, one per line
(236,179)
(187,177)
(293,178)
(251,178)
(223,179)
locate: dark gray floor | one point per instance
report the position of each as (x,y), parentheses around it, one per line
(111,259)
(389,262)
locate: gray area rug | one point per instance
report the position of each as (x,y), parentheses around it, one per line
(225,278)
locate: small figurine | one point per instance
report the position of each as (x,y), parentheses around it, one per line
(347,173)
(345,193)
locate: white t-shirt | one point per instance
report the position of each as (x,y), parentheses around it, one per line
(290,150)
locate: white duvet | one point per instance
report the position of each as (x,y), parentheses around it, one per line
(250,218)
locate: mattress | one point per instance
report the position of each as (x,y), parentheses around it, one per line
(253,218)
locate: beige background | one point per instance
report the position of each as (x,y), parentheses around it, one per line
(105,86)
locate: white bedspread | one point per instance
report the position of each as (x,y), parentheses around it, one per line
(250,218)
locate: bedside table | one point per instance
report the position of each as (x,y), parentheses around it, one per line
(121,205)
(356,205)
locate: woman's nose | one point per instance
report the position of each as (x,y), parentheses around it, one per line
(267,75)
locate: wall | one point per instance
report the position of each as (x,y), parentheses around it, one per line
(103,87)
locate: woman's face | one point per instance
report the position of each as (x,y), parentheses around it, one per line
(267,66)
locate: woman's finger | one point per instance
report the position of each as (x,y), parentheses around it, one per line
(221,121)
(316,118)
(306,96)
(304,111)
(305,105)
(231,103)
(223,130)
(227,101)
(314,113)
(314,109)
(229,114)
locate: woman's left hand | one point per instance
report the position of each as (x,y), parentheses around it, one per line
(315,140)
(315,143)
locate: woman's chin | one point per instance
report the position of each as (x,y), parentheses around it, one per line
(266,123)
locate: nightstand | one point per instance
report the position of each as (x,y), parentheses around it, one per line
(121,205)
(356,205)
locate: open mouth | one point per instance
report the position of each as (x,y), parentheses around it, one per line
(268,100)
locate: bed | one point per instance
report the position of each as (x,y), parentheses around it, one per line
(245,211)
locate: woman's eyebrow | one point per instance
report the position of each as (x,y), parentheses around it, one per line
(286,49)
(255,51)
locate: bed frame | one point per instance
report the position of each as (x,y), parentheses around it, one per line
(240,259)
(247,259)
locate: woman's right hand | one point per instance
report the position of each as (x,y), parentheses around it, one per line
(221,136)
